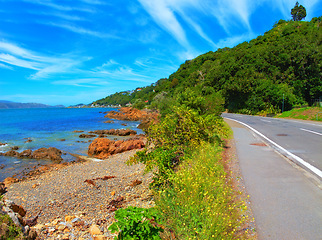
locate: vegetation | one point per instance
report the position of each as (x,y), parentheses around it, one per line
(253,77)
(136,223)
(298,12)
(306,113)
(193,195)
(9,231)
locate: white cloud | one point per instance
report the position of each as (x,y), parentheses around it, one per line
(5,66)
(80,30)
(163,15)
(65,8)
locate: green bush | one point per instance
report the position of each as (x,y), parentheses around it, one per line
(136,223)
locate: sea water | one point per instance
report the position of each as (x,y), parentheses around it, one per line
(50,127)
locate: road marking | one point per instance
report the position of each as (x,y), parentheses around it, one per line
(294,157)
(311,131)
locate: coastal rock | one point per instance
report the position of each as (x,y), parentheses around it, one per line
(50,153)
(9,180)
(87,135)
(109,121)
(11,153)
(103,147)
(132,114)
(16,208)
(2,144)
(26,153)
(118,132)
(15,148)
(78,131)
(28,141)
(2,188)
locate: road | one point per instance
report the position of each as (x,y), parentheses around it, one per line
(286,203)
(301,138)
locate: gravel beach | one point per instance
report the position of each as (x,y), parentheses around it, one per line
(79,200)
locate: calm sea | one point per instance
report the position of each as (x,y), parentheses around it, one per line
(49,127)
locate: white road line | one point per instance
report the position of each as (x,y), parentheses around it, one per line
(294,157)
(311,131)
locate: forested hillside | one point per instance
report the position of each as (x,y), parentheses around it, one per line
(253,77)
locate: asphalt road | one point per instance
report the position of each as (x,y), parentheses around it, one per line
(286,204)
(301,138)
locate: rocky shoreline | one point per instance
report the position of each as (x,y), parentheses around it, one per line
(77,200)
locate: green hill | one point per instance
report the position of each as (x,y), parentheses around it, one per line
(283,65)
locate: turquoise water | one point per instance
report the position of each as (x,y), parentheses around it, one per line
(47,127)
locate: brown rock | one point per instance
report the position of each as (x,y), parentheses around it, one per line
(135,183)
(2,144)
(11,153)
(15,148)
(103,147)
(25,154)
(18,209)
(69,218)
(78,131)
(94,230)
(109,121)
(87,135)
(100,237)
(28,141)
(9,180)
(2,188)
(50,153)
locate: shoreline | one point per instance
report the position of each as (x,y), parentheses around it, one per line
(64,192)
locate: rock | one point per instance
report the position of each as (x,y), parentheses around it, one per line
(78,131)
(94,230)
(15,148)
(16,208)
(100,237)
(118,132)
(11,153)
(113,193)
(109,121)
(2,144)
(9,180)
(2,166)
(28,141)
(50,153)
(35,185)
(65,236)
(69,218)
(2,188)
(87,135)
(26,153)
(103,147)
(135,183)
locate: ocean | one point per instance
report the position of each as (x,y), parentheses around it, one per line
(50,127)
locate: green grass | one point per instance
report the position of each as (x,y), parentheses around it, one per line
(307,113)
(12,231)
(199,203)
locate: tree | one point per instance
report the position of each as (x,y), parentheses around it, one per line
(298,12)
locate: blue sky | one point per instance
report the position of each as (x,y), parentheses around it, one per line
(78,51)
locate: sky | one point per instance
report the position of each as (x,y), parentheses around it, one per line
(78,51)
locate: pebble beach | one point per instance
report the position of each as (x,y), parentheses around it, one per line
(78,201)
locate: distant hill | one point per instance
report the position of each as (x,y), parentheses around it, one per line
(9,104)
(278,70)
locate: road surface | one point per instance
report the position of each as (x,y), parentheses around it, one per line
(285,202)
(301,138)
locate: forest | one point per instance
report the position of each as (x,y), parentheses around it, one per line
(276,71)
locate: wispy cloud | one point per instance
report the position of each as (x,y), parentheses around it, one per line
(5,66)
(44,66)
(163,15)
(56,6)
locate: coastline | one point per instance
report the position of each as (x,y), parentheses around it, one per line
(59,193)
(88,191)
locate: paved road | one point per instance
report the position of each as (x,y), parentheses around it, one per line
(301,138)
(286,204)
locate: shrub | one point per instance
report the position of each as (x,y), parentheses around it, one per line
(136,223)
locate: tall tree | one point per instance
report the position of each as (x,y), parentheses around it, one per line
(298,12)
